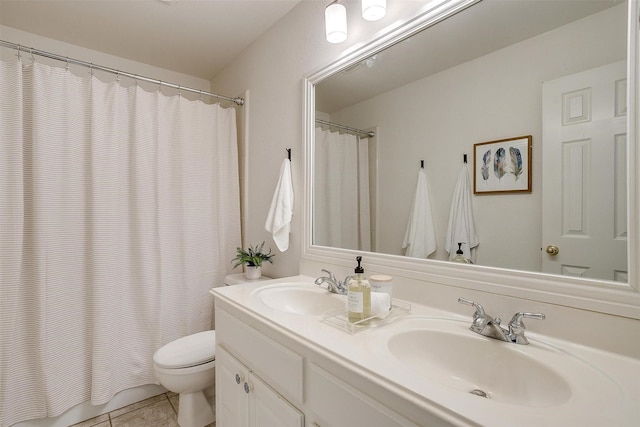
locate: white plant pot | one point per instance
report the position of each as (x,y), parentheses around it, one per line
(252,273)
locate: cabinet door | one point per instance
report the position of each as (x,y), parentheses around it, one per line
(334,403)
(268,409)
(231,399)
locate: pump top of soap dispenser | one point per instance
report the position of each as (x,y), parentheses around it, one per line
(460,256)
(359,269)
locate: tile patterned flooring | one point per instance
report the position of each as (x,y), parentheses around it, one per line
(157,411)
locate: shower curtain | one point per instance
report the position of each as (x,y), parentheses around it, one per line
(119,210)
(341,211)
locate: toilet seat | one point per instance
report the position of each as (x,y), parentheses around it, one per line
(185,352)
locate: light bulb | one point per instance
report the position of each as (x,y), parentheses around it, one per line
(373,10)
(335,21)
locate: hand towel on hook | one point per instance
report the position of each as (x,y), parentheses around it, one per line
(461,228)
(279,217)
(420,237)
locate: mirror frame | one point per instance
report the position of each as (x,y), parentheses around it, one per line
(588,294)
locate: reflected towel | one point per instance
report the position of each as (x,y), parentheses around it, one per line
(279,217)
(461,228)
(420,236)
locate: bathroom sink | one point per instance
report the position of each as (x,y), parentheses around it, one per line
(534,375)
(299,298)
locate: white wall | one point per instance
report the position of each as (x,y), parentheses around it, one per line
(494,97)
(272,70)
(34,41)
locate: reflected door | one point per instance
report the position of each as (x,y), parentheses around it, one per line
(584,154)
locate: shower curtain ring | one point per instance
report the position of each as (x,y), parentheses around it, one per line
(33,58)
(66,67)
(117,75)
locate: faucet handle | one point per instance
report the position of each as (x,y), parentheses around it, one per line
(516,320)
(517,328)
(331,276)
(479,310)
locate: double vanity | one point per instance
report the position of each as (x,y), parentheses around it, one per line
(282,359)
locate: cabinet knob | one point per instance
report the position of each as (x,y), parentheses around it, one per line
(239,378)
(247,388)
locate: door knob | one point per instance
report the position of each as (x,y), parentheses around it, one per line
(553,250)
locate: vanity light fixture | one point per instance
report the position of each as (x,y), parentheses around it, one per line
(335,21)
(373,10)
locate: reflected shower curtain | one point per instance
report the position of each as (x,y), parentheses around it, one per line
(119,210)
(341,211)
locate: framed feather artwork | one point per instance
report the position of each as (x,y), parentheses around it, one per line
(502,166)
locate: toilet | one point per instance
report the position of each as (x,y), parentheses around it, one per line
(187,366)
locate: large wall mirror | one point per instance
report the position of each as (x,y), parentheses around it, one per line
(470,72)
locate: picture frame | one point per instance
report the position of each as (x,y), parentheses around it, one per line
(502,166)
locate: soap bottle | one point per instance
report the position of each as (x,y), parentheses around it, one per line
(358,295)
(460,257)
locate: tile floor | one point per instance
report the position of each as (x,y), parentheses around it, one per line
(157,411)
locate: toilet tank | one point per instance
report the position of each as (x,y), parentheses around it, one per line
(238,278)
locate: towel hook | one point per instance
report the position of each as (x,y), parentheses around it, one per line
(421,164)
(288,153)
(464,158)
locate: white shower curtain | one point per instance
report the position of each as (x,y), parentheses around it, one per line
(119,210)
(341,211)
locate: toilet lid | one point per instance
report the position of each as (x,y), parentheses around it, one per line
(184,352)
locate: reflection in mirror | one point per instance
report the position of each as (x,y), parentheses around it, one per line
(494,71)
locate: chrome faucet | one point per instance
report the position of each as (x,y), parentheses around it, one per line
(487,326)
(333,285)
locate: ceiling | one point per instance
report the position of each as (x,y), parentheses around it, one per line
(194,37)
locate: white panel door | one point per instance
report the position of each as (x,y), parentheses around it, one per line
(584,181)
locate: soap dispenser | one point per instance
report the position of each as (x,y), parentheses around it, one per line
(460,257)
(358,295)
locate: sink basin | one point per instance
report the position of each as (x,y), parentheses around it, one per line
(534,375)
(299,298)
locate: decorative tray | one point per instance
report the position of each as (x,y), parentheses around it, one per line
(339,318)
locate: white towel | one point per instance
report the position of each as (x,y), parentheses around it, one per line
(420,236)
(461,228)
(279,218)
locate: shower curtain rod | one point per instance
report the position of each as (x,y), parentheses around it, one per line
(335,125)
(238,100)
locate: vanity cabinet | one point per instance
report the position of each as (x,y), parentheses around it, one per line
(245,400)
(260,381)
(250,367)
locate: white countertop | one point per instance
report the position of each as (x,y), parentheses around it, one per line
(604,387)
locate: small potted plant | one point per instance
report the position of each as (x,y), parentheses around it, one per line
(252,259)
